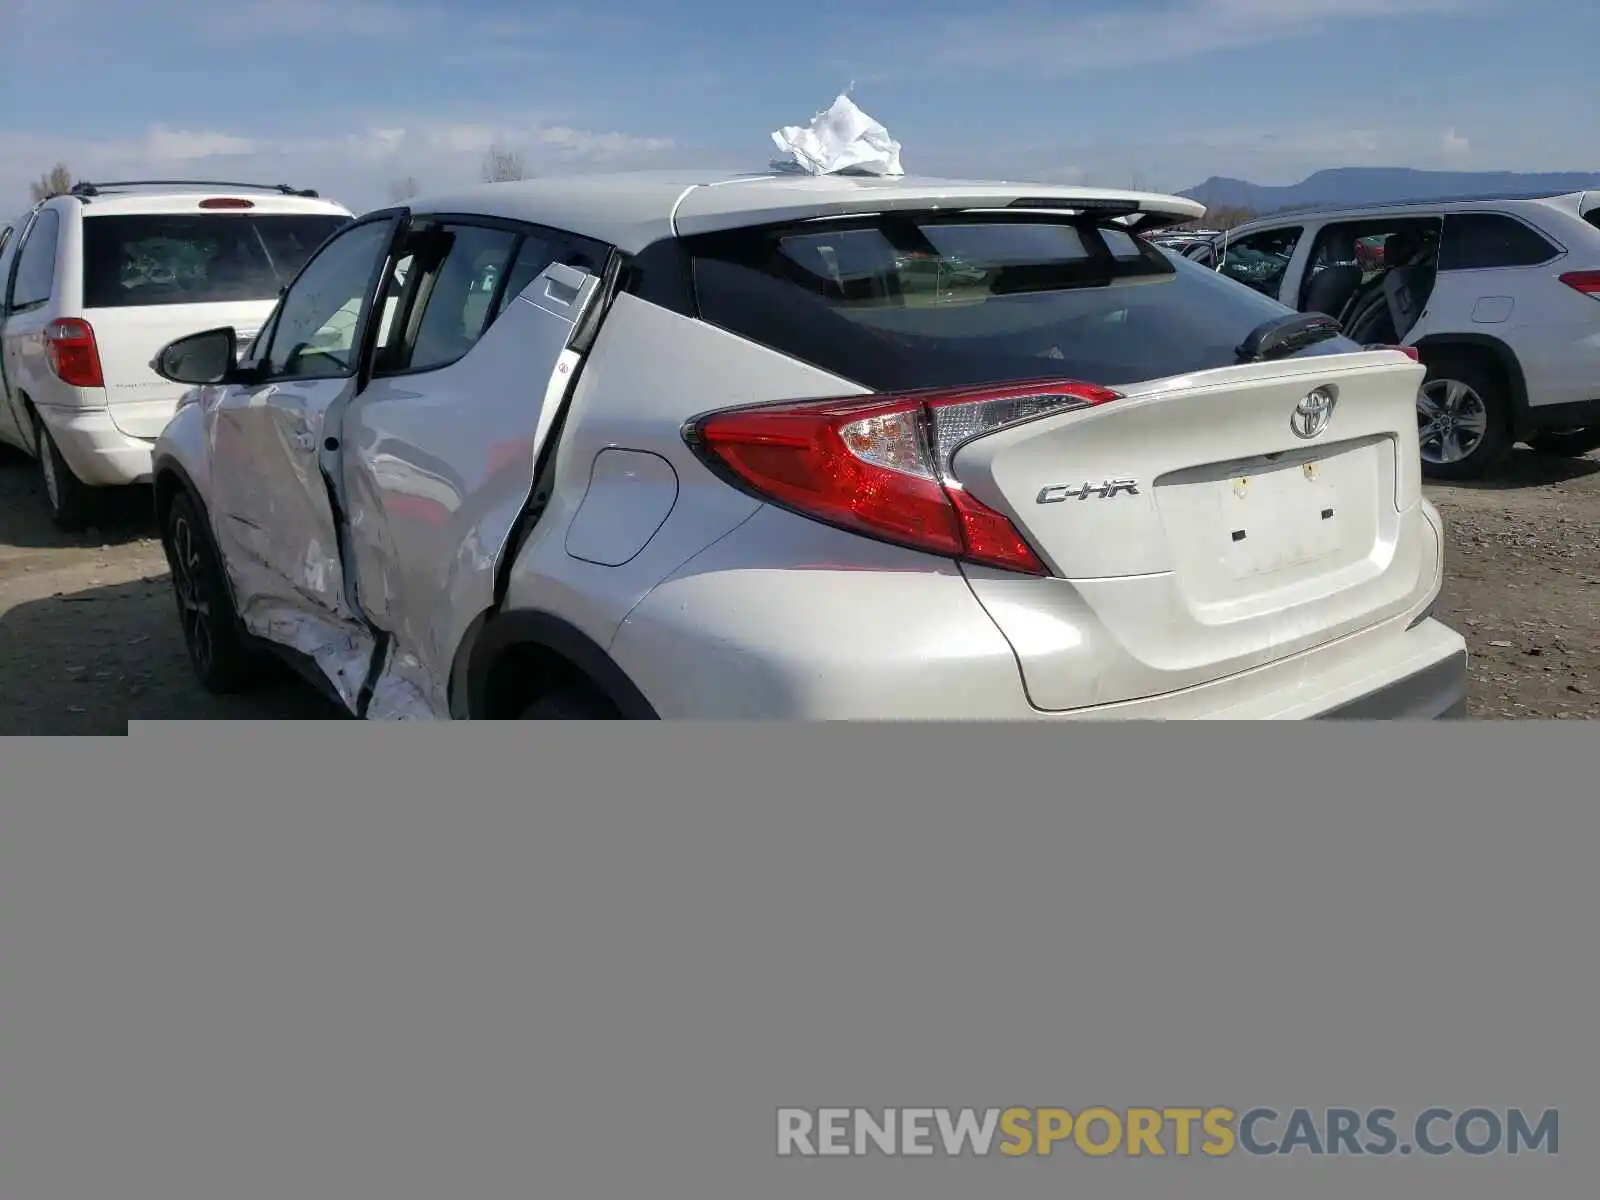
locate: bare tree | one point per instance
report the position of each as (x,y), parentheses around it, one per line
(501,165)
(53,182)
(402,190)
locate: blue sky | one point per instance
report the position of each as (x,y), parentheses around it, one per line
(351,95)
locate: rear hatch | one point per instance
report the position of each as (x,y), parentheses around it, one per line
(152,276)
(1208,513)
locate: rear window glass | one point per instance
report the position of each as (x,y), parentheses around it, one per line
(903,302)
(196,258)
(1477,241)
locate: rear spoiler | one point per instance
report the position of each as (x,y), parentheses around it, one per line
(711,210)
(1130,214)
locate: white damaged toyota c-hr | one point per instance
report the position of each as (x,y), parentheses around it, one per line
(706,446)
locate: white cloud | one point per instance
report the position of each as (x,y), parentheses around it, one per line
(184,145)
(355,166)
(1453,145)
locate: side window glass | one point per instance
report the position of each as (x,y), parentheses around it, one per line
(314,336)
(1336,246)
(1348,247)
(36,265)
(1477,241)
(456,308)
(253,352)
(535,254)
(1260,260)
(5,239)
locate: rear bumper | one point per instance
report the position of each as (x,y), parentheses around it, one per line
(1437,692)
(99,453)
(869,632)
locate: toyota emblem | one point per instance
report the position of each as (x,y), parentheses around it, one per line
(1311,415)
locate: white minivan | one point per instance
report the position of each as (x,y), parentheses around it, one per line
(95,281)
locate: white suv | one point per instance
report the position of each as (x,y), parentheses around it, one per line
(93,283)
(1500,296)
(817,448)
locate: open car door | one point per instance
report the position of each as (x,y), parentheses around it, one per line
(440,453)
(274,442)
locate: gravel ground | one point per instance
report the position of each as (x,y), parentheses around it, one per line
(88,629)
(89,636)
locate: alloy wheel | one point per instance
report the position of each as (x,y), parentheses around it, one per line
(188,581)
(1452,421)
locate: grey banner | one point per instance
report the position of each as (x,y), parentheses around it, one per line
(331,962)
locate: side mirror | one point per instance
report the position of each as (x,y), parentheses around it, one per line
(200,358)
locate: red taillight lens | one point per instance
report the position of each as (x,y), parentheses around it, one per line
(881,465)
(73,354)
(226,202)
(1587,282)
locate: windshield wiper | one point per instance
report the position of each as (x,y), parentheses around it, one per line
(1286,335)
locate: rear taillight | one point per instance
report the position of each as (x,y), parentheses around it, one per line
(881,465)
(226,202)
(73,354)
(1587,282)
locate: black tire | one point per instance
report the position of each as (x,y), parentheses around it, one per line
(1569,443)
(570,704)
(73,504)
(1485,395)
(221,653)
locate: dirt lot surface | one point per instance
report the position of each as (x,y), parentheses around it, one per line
(89,635)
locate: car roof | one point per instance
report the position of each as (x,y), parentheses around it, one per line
(631,210)
(1469,203)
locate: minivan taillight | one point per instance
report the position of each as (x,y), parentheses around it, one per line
(881,465)
(74,357)
(1587,282)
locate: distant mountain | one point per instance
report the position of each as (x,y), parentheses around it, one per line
(1380,185)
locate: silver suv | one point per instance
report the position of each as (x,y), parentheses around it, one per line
(1499,295)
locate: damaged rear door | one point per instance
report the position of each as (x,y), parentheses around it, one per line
(440,452)
(273,439)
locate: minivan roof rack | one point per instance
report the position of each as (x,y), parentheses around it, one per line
(85,190)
